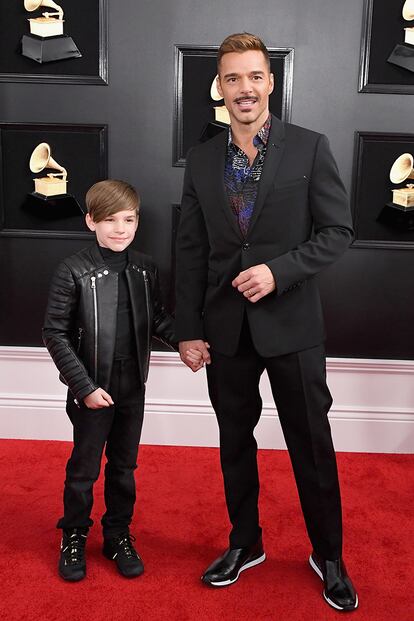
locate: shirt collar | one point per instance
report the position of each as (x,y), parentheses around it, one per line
(260,139)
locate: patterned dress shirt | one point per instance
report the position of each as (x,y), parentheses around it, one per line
(242,180)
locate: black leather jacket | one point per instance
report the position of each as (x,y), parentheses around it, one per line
(80,322)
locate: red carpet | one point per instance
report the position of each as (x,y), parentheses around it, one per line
(181,525)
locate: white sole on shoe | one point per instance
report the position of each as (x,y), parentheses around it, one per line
(248,565)
(330,602)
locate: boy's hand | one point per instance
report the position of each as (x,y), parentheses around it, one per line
(194,353)
(98,399)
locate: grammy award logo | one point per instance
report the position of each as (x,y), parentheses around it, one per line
(54,184)
(50,202)
(403,53)
(401,170)
(221,113)
(399,214)
(46,41)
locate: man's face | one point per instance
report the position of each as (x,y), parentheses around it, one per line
(245,84)
(115,232)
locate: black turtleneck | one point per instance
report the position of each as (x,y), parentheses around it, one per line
(125,341)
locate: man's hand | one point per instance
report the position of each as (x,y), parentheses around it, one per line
(255,283)
(194,353)
(196,359)
(98,399)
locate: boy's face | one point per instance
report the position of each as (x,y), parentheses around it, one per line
(115,232)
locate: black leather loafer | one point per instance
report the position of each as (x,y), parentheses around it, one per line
(339,591)
(227,568)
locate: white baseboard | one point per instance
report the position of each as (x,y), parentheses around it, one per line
(373,409)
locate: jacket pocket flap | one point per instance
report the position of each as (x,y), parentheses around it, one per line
(291,183)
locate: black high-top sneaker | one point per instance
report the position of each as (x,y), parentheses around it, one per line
(72,564)
(121,550)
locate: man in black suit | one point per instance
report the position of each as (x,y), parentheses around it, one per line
(263,211)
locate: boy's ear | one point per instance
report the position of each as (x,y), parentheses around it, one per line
(90,223)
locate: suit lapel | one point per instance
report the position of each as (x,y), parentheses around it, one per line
(274,153)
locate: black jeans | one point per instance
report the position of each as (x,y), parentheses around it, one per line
(298,382)
(119,427)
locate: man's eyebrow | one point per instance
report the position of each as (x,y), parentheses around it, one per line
(234,75)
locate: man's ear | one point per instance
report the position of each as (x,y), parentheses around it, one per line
(218,84)
(90,223)
(272,83)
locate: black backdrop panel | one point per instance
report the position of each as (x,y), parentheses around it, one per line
(81,149)
(387,30)
(383,30)
(28,264)
(375,153)
(81,22)
(367,295)
(368,301)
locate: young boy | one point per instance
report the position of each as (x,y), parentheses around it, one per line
(103,309)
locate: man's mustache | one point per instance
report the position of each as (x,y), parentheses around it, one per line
(238,99)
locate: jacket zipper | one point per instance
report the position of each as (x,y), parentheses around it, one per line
(144,272)
(80,330)
(95,319)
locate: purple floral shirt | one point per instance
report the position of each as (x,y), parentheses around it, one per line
(242,180)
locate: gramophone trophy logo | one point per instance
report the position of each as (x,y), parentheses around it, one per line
(54,184)
(403,53)
(399,214)
(401,170)
(50,199)
(221,114)
(46,41)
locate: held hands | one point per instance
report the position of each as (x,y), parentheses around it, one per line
(255,283)
(98,399)
(194,354)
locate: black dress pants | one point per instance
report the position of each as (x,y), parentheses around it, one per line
(302,398)
(119,427)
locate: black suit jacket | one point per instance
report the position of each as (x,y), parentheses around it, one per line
(301,224)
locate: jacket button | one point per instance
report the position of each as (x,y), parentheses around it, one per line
(246,246)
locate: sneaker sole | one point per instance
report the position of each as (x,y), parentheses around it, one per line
(330,602)
(248,565)
(72,579)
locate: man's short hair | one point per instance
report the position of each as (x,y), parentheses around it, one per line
(106,198)
(242,42)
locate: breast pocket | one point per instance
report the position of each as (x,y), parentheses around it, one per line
(292,184)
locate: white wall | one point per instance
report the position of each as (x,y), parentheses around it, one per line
(373,409)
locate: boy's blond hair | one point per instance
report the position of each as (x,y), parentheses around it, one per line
(106,198)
